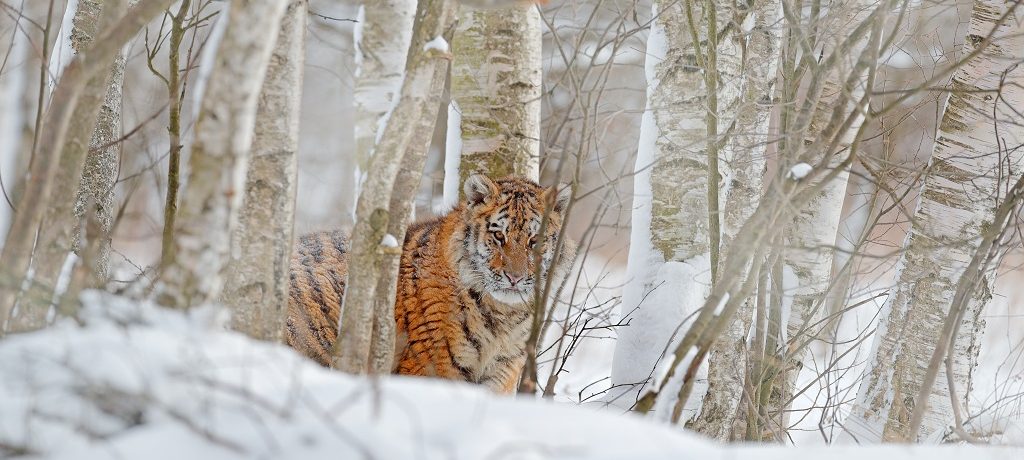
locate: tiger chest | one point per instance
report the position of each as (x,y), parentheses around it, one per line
(491,342)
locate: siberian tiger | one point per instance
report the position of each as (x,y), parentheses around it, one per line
(465,286)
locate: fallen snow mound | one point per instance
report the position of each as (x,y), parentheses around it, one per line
(138,381)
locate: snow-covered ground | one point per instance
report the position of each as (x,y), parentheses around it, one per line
(139,381)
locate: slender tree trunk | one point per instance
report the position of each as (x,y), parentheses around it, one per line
(674,239)
(220,155)
(745,168)
(496,85)
(256,285)
(382,44)
(96,122)
(973,160)
(425,72)
(18,248)
(175,93)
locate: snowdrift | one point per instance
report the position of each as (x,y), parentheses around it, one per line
(139,381)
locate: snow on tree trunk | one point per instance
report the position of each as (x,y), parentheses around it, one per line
(496,85)
(670,243)
(416,106)
(968,171)
(744,171)
(220,155)
(84,166)
(256,284)
(97,58)
(382,38)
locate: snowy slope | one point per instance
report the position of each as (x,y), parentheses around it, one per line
(142,382)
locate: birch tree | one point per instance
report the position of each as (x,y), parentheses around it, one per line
(496,89)
(974,158)
(401,147)
(18,247)
(744,168)
(86,173)
(675,225)
(382,38)
(220,155)
(256,284)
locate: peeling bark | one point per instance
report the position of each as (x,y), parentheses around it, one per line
(966,177)
(496,84)
(256,284)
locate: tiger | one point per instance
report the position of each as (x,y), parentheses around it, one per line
(464,298)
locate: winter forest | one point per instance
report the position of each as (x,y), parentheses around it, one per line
(522,229)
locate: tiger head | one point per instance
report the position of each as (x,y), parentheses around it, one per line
(502,237)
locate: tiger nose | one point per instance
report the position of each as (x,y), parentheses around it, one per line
(514,278)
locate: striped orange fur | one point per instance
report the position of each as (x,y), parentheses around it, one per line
(465,288)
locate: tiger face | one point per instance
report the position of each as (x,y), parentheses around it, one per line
(502,237)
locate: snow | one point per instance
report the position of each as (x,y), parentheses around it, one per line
(63,53)
(452,155)
(799,171)
(438,43)
(389,241)
(139,381)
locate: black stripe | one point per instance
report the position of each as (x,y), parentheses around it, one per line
(316,249)
(314,284)
(467,375)
(470,337)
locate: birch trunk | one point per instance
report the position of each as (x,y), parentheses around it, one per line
(220,155)
(674,230)
(256,285)
(496,85)
(744,169)
(806,273)
(967,173)
(18,248)
(425,73)
(84,174)
(13,86)
(382,43)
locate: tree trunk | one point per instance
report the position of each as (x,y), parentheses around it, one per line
(744,169)
(969,169)
(425,72)
(84,174)
(674,238)
(98,58)
(382,43)
(256,285)
(220,155)
(496,86)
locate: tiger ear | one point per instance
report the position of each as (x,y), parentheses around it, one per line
(478,187)
(564,194)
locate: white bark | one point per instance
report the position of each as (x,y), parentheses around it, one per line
(417,105)
(382,38)
(670,250)
(496,87)
(220,155)
(256,285)
(744,167)
(13,85)
(968,169)
(96,122)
